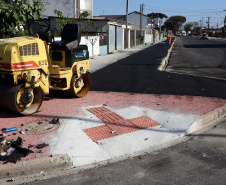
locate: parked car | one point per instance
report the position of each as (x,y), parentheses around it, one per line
(204,36)
(178,34)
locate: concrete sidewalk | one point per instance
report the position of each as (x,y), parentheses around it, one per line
(104,127)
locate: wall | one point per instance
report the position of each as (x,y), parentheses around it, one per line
(103,50)
(87,5)
(112,38)
(148,38)
(88,41)
(120,31)
(156,36)
(134,18)
(66,7)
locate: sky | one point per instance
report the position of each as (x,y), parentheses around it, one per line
(193,10)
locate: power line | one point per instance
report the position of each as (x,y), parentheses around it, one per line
(216,9)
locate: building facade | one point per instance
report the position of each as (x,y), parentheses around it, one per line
(69,8)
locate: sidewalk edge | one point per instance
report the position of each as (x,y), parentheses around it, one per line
(22,168)
(165,60)
(207,119)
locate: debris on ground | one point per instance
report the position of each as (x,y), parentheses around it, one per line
(54,121)
(40,146)
(31,146)
(21,132)
(3,145)
(10,180)
(5,130)
(13,149)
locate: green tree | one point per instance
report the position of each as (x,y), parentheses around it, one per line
(188,26)
(85,23)
(175,22)
(197,30)
(157,15)
(61,21)
(16,14)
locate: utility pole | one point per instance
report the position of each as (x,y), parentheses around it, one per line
(127,32)
(208,22)
(78,8)
(141,16)
(202,22)
(160,28)
(224,26)
(127,7)
(224,21)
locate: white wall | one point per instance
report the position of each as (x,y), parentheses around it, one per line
(148,38)
(88,41)
(87,5)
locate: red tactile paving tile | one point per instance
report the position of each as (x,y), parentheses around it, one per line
(122,126)
(99,133)
(109,117)
(115,124)
(144,122)
(98,110)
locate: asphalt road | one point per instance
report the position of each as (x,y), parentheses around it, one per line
(139,73)
(206,58)
(201,160)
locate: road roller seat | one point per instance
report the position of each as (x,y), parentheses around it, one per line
(70,38)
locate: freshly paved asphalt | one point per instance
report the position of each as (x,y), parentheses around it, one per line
(199,57)
(138,73)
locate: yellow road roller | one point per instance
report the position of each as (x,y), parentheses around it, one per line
(30,66)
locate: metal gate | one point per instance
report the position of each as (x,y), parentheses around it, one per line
(138,37)
(132,38)
(125,39)
(119,43)
(111,38)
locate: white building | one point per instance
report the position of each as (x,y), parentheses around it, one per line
(69,8)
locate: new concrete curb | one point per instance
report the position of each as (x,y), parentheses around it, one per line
(207,120)
(165,60)
(10,170)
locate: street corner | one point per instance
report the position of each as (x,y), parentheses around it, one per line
(101,127)
(114,125)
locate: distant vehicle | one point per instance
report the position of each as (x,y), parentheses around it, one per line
(204,36)
(184,34)
(178,34)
